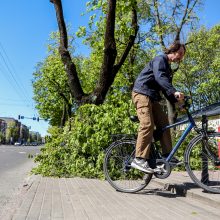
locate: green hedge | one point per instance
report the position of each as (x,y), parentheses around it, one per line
(78,149)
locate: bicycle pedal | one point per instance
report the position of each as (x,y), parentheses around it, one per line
(159,170)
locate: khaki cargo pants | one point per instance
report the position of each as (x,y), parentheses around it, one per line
(150,115)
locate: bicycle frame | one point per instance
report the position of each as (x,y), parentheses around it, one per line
(191,125)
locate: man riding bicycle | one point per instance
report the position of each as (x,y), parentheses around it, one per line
(156,77)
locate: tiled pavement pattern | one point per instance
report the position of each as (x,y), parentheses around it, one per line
(81,198)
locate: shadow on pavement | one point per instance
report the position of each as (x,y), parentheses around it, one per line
(170,190)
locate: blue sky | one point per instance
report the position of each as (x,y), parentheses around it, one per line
(25,27)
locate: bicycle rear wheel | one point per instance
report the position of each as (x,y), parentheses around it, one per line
(118,170)
(202,160)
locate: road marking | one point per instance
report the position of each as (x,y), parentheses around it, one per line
(21,152)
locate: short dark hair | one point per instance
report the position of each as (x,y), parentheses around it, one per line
(175,47)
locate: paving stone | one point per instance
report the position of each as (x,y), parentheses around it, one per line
(82,198)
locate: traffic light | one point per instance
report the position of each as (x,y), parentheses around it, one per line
(34,118)
(20,117)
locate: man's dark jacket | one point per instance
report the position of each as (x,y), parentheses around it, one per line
(156,77)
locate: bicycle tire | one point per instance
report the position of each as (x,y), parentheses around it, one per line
(205,172)
(118,171)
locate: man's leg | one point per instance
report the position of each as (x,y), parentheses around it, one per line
(145,132)
(161,120)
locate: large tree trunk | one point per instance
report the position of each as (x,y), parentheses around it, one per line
(73,80)
(108,69)
(64,116)
(106,77)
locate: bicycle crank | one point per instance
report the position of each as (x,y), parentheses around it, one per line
(162,169)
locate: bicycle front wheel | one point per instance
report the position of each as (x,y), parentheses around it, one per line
(202,160)
(118,170)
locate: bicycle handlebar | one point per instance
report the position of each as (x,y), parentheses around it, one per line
(187,103)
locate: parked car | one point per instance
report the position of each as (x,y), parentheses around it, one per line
(17,144)
(34,143)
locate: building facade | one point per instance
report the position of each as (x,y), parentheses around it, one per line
(13,131)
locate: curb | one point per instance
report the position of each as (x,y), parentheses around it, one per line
(189,191)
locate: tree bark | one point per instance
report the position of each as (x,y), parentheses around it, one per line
(73,80)
(155,2)
(108,69)
(106,77)
(63,118)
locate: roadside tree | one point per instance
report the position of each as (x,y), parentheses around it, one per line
(199,73)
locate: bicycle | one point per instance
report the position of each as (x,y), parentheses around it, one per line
(205,171)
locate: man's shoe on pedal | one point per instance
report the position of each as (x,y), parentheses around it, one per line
(141,164)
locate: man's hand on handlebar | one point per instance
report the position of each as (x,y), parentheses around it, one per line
(179,96)
(181,101)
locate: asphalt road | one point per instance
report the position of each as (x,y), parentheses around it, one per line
(15,167)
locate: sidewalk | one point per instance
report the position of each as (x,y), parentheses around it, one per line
(81,198)
(181,184)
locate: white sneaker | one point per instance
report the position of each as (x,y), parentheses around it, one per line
(142,165)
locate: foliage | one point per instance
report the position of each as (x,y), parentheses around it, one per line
(2,137)
(199,75)
(93,36)
(34,137)
(170,17)
(78,149)
(50,84)
(47,85)
(12,131)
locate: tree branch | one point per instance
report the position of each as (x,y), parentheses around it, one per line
(174,9)
(110,53)
(66,104)
(130,42)
(176,6)
(155,2)
(58,89)
(186,15)
(73,80)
